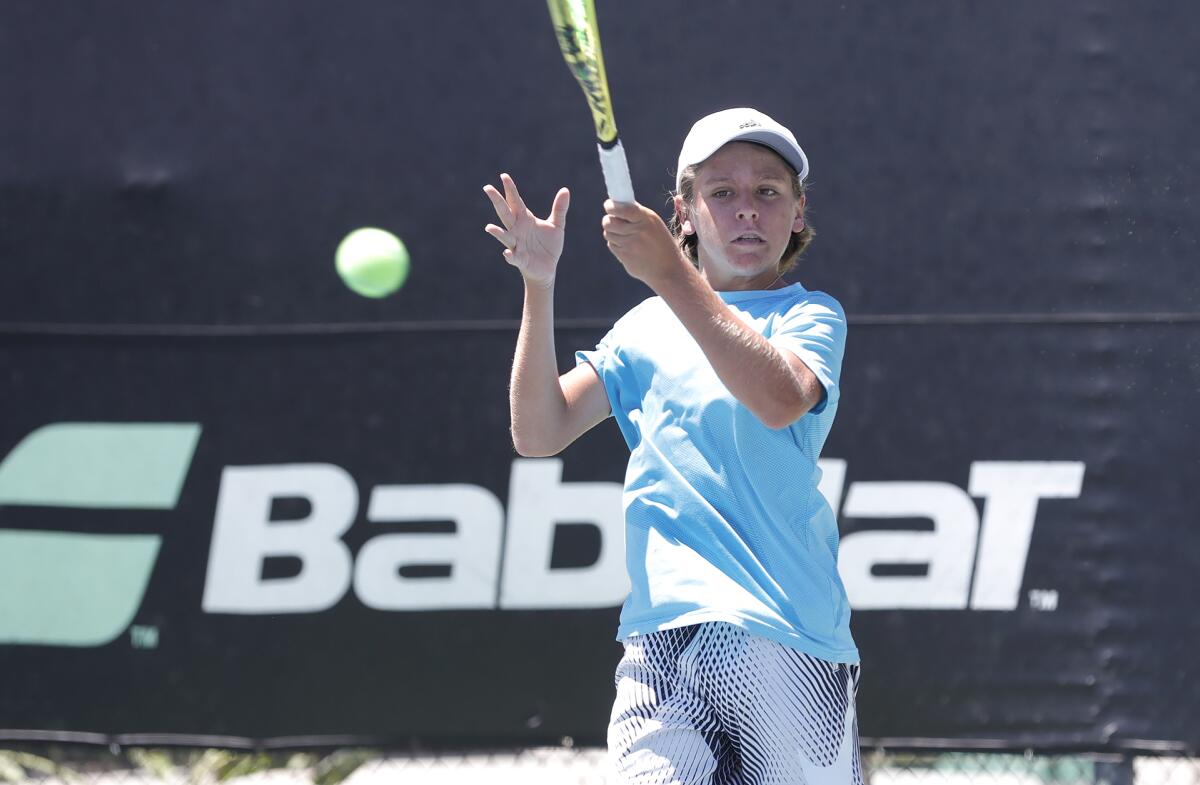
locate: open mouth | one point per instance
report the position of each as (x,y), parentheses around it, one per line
(748,239)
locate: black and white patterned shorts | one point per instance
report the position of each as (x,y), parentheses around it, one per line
(714,704)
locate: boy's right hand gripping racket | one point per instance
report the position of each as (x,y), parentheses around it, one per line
(579,39)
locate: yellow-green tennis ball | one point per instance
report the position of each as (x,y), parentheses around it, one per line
(372,262)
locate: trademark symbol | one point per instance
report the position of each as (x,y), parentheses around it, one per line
(1043,599)
(142,637)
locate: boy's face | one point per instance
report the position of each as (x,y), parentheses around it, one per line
(744,214)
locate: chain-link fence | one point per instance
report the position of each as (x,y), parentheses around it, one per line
(80,765)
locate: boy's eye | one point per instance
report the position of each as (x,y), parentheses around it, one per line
(767,191)
(721,193)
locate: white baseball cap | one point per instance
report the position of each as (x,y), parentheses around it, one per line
(716,130)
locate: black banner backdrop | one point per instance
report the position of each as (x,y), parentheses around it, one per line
(1001,195)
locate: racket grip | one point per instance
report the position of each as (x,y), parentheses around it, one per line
(616,173)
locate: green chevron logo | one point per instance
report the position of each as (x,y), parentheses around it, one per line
(70,589)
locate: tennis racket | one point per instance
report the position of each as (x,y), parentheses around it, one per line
(579,39)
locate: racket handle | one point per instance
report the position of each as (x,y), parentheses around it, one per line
(616,173)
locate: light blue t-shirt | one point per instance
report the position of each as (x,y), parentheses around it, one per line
(723,518)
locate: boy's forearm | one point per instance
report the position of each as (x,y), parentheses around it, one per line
(750,367)
(536,401)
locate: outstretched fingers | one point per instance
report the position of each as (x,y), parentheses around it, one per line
(531,244)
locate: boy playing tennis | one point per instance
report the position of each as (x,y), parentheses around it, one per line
(739,666)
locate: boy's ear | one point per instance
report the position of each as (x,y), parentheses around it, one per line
(684,217)
(798,223)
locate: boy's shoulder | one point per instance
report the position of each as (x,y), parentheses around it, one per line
(649,310)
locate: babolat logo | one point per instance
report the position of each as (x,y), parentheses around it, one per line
(493,560)
(72,589)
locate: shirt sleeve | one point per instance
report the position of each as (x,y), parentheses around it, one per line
(814,329)
(607,364)
(615,373)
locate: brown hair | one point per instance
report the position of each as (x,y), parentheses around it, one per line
(689,242)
